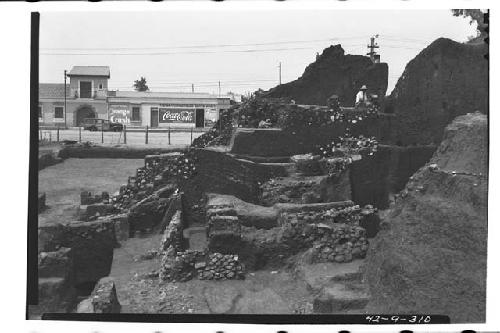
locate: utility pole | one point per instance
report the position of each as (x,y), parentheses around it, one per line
(192,87)
(372,46)
(279,72)
(219,88)
(65,124)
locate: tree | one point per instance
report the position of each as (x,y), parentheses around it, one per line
(476,16)
(140,85)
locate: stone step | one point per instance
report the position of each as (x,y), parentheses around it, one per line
(228,211)
(320,275)
(340,298)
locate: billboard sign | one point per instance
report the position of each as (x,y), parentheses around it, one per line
(177,115)
(211,116)
(119,114)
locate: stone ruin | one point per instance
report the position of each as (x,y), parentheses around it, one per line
(265,201)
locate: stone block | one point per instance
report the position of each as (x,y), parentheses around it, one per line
(224,223)
(340,298)
(102,300)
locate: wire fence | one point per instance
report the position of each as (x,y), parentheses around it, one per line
(130,137)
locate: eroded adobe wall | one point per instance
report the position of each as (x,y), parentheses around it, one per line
(216,172)
(445,80)
(430,256)
(334,72)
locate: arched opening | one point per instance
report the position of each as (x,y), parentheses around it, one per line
(83,112)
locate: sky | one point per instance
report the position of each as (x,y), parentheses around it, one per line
(242,49)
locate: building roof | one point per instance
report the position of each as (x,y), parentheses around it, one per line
(90,71)
(52,90)
(160,94)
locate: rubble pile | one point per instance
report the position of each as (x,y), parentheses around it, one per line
(347,215)
(275,191)
(220,133)
(146,180)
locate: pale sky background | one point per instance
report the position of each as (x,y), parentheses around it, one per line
(242,50)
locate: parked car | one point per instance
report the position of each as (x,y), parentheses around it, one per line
(96,124)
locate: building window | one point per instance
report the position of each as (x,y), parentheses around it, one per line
(85,89)
(100,86)
(58,112)
(136,114)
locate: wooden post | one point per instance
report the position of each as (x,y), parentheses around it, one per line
(169,135)
(124,134)
(191,135)
(57,133)
(147,133)
(79,134)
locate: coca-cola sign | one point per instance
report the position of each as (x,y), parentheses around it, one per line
(176,115)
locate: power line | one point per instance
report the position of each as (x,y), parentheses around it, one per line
(211,52)
(171,53)
(205,45)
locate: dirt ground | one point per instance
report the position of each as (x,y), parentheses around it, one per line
(63,182)
(140,291)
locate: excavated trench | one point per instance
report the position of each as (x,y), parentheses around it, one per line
(236,207)
(228,215)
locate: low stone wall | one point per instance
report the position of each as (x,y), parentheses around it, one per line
(48,159)
(80,151)
(331,242)
(313,189)
(278,142)
(102,300)
(186,265)
(217,172)
(172,236)
(92,245)
(174,205)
